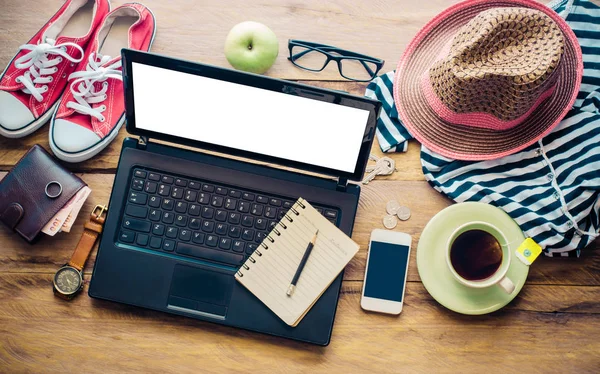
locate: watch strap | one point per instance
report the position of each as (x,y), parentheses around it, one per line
(91,230)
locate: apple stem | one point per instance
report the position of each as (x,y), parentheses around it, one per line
(250,47)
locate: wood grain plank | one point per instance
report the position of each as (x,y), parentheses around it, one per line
(37,328)
(20,289)
(49,253)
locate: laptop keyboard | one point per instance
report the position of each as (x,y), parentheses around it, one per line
(199,219)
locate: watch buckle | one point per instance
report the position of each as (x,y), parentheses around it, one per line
(98,211)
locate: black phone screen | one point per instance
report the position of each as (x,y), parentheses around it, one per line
(386,271)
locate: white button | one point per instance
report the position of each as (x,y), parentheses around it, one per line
(570,224)
(550,176)
(538,151)
(556,195)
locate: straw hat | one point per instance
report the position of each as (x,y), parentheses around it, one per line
(485,79)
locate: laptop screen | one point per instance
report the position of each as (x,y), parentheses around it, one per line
(248,118)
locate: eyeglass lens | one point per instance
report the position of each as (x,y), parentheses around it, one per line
(359,70)
(308,58)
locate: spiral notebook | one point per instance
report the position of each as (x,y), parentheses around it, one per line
(270,269)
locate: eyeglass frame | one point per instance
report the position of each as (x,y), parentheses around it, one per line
(346,55)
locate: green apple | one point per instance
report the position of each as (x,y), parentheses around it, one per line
(251,46)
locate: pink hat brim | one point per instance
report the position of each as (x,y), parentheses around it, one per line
(472,143)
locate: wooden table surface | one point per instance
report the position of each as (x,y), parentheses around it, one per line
(553,325)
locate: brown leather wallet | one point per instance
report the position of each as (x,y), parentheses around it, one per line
(35,190)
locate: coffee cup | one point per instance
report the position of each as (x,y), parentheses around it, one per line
(478,256)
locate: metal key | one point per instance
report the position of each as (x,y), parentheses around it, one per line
(392,162)
(369,169)
(382,167)
(391,165)
(372,157)
(370,176)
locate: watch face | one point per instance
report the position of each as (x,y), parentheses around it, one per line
(67,280)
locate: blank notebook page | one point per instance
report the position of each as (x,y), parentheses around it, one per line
(269,271)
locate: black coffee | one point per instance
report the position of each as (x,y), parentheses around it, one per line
(476,254)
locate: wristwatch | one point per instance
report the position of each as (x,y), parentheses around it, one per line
(68,280)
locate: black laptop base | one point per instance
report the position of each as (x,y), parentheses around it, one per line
(197,287)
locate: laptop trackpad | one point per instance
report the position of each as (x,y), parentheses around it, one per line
(200,292)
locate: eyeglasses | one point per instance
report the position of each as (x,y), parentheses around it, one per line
(315,56)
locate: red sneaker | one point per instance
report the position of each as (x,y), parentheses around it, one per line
(34,80)
(92,110)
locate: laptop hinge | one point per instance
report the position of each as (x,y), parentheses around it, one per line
(142,142)
(342,183)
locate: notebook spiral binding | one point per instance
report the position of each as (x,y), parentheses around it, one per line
(277,232)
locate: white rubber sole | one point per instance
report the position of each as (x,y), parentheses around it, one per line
(31,127)
(88,153)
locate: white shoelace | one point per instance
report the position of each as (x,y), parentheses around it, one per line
(41,67)
(83,87)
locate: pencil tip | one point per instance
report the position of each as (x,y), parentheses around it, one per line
(314,238)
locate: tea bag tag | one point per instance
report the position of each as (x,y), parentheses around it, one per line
(528,251)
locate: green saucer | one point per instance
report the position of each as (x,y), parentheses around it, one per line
(434,272)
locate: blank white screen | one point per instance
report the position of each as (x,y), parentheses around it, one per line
(247,118)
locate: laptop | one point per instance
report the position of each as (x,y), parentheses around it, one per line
(182,220)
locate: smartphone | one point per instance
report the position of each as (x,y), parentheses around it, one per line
(385,275)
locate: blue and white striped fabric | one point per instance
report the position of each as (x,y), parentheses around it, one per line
(552,188)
